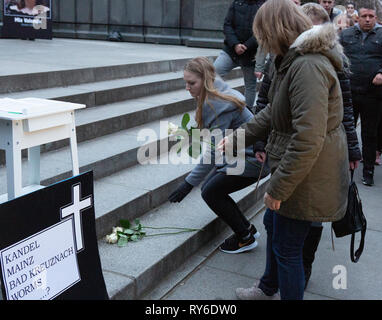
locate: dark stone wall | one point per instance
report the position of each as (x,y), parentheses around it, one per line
(188,22)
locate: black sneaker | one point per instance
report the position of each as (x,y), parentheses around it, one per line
(254,231)
(368,179)
(236,245)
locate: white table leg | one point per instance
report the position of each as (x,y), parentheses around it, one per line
(14,171)
(73,148)
(34,165)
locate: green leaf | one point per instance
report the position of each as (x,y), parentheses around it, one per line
(136,221)
(134,238)
(122,242)
(185,120)
(121,234)
(124,224)
(128,231)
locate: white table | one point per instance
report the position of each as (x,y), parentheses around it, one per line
(27,124)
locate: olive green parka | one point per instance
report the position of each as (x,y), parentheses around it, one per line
(306,148)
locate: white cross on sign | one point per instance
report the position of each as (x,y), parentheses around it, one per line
(75,208)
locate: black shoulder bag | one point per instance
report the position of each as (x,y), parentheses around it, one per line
(353,221)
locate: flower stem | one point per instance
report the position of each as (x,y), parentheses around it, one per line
(166,233)
(178,228)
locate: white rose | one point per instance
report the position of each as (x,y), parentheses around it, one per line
(116,229)
(112,238)
(172,128)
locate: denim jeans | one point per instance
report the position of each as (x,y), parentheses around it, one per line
(284,268)
(224,64)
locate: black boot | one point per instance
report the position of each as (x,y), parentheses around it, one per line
(310,247)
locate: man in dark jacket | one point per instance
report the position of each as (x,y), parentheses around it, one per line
(363,46)
(240,45)
(328,5)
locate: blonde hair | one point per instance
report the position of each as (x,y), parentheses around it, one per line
(315,12)
(204,69)
(278,23)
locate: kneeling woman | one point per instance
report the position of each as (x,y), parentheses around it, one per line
(219,106)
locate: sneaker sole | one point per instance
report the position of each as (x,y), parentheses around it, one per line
(367,184)
(243,249)
(256,235)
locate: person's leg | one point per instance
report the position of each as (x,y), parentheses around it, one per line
(224,64)
(370,112)
(215,193)
(288,240)
(250,85)
(379,143)
(310,247)
(269,282)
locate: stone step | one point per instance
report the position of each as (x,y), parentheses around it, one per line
(65,78)
(132,271)
(111,91)
(105,155)
(92,123)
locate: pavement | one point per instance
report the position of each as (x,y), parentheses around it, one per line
(213,275)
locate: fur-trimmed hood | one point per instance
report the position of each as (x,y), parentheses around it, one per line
(321,39)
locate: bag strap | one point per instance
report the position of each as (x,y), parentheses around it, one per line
(354,256)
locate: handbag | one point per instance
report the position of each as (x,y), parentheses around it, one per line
(354,221)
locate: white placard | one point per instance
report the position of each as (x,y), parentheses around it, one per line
(42,266)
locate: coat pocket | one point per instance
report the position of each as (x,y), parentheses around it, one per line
(277,144)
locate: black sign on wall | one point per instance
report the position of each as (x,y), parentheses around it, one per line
(27,19)
(48,244)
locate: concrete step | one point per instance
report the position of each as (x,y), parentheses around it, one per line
(65,78)
(111,91)
(111,119)
(131,271)
(92,123)
(105,155)
(104,144)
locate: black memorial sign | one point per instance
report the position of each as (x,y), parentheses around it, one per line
(27,19)
(48,244)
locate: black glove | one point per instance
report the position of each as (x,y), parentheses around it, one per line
(181,192)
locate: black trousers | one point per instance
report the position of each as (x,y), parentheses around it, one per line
(215,193)
(379,135)
(370,111)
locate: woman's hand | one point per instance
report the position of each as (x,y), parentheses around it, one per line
(222,145)
(261,156)
(377,81)
(271,203)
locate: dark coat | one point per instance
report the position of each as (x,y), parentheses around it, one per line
(238,29)
(365,57)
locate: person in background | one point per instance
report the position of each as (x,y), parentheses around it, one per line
(328,5)
(240,46)
(306,149)
(220,107)
(342,22)
(352,13)
(362,45)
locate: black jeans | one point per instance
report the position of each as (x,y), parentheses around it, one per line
(215,193)
(370,111)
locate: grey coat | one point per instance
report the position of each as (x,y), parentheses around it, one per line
(224,115)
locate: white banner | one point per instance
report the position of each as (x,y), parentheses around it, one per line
(43,265)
